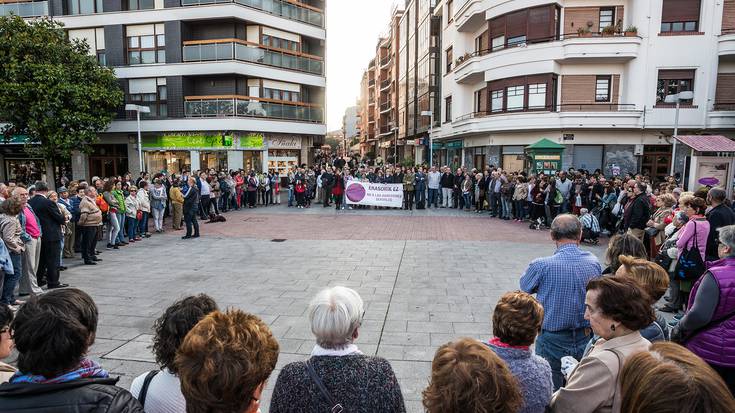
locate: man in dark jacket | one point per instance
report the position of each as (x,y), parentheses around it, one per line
(638,212)
(447,183)
(720,215)
(327,185)
(52,335)
(51,220)
(191,206)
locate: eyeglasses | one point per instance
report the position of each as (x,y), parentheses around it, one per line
(5,330)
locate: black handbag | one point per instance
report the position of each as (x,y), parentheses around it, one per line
(690,265)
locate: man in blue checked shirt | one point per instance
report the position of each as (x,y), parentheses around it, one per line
(560,284)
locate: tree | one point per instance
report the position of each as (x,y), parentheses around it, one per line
(51,90)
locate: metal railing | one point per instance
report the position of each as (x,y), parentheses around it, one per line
(244,106)
(371,82)
(564,107)
(547,39)
(286,9)
(386,106)
(384,84)
(25,9)
(384,61)
(729,106)
(249,52)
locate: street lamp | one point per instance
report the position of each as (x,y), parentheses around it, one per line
(430,113)
(138,109)
(677,98)
(395,147)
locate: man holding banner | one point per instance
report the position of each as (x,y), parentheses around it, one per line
(375,194)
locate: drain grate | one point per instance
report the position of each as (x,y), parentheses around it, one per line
(278,240)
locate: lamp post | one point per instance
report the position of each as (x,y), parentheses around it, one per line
(677,98)
(138,109)
(430,113)
(394,130)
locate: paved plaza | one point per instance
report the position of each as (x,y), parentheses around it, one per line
(427,277)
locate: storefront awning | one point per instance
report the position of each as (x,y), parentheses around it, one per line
(708,143)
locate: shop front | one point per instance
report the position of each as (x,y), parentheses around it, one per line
(710,162)
(448,153)
(544,157)
(284,153)
(168,161)
(18,165)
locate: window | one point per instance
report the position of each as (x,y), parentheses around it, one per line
(480,43)
(537,96)
(516,41)
(607,17)
(496,97)
(514,97)
(680,16)
(450,59)
(450,11)
(140,4)
(146,44)
(498,43)
(278,94)
(84,6)
(149,92)
(602,89)
(279,43)
(671,82)
(448,109)
(95,38)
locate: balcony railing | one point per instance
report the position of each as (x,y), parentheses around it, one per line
(385,106)
(288,9)
(384,61)
(371,82)
(729,106)
(384,84)
(236,49)
(564,107)
(246,106)
(25,9)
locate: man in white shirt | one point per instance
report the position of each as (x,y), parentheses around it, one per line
(434,187)
(205,192)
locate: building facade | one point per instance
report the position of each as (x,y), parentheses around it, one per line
(230,84)
(591,75)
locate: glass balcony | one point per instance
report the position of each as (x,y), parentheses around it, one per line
(243,106)
(278,7)
(249,52)
(27,9)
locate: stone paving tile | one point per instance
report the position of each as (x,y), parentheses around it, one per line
(426,277)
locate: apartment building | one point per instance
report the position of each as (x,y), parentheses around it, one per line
(591,75)
(230,83)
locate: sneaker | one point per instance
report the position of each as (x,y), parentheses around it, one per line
(115,247)
(109,246)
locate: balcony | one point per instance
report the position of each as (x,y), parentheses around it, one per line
(371,82)
(385,84)
(470,16)
(543,55)
(236,49)
(25,9)
(726,43)
(577,116)
(246,106)
(288,9)
(722,115)
(384,62)
(386,107)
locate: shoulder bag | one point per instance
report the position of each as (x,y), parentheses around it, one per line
(144,389)
(336,407)
(690,265)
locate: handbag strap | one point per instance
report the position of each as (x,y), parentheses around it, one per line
(146,383)
(336,407)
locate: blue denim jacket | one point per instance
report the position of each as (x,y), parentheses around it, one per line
(22,218)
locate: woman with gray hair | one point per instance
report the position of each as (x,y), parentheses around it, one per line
(708,327)
(337,373)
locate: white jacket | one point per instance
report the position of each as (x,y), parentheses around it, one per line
(144,202)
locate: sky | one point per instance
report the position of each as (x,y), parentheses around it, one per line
(353,28)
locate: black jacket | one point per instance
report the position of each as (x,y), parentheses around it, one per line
(327,180)
(720,216)
(96,395)
(447,180)
(49,217)
(640,212)
(191,198)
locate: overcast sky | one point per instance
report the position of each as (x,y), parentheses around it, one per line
(353,28)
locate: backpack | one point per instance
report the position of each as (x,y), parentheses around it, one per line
(102,204)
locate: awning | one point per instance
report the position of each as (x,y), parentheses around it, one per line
(708,143)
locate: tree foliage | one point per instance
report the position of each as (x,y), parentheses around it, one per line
(51,89)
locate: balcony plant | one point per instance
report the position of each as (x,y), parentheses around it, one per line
(608,31)
(583,32)
(631,31)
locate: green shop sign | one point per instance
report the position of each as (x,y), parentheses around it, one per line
(252,140)
(187,141)
(453,145)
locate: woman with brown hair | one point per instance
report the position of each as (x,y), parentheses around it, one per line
(466,376)
(617,308)
(655,281)
(656,225)
(668,378)
(622,244)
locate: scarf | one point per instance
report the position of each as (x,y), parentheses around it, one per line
(348,350)
(497,343)
(86,369)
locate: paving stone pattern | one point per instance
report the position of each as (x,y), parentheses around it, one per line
(426,278)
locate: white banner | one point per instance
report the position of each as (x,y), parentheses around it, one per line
(365,193)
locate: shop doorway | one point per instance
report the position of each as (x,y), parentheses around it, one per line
(216,160)
(172,162)
(109,160)
(25,171)
(656,162)
(513,163)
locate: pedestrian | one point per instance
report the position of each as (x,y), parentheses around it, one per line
(447,184)
(434,184)
(10,231)
(132,214)
(637,211)
(338,190)
(409,179)
(69,231)
(480,189)
(119,195)
(90,217)
(54,197)
(655,281)
(177,204)
(656,225)
(158,203)
(466,188)
(466,376)
(719,215)
(617,307)
(420,187)
(144,206)
(692,237)
(113,226)
(559,282)
(619,245)
(239,182)
(191,207)
(252,187)
(300,189)
(590,226)
(520,194)
(51,220)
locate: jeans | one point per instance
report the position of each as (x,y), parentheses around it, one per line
(519,212)
(494,202)
(143,224)
(290,196)
(507,206)
(466,198)
(433,197)
(11,279)
(564,206)
(190,217)
(421,197)
(113,228)
(121,222)
(131,224)
(553,345)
